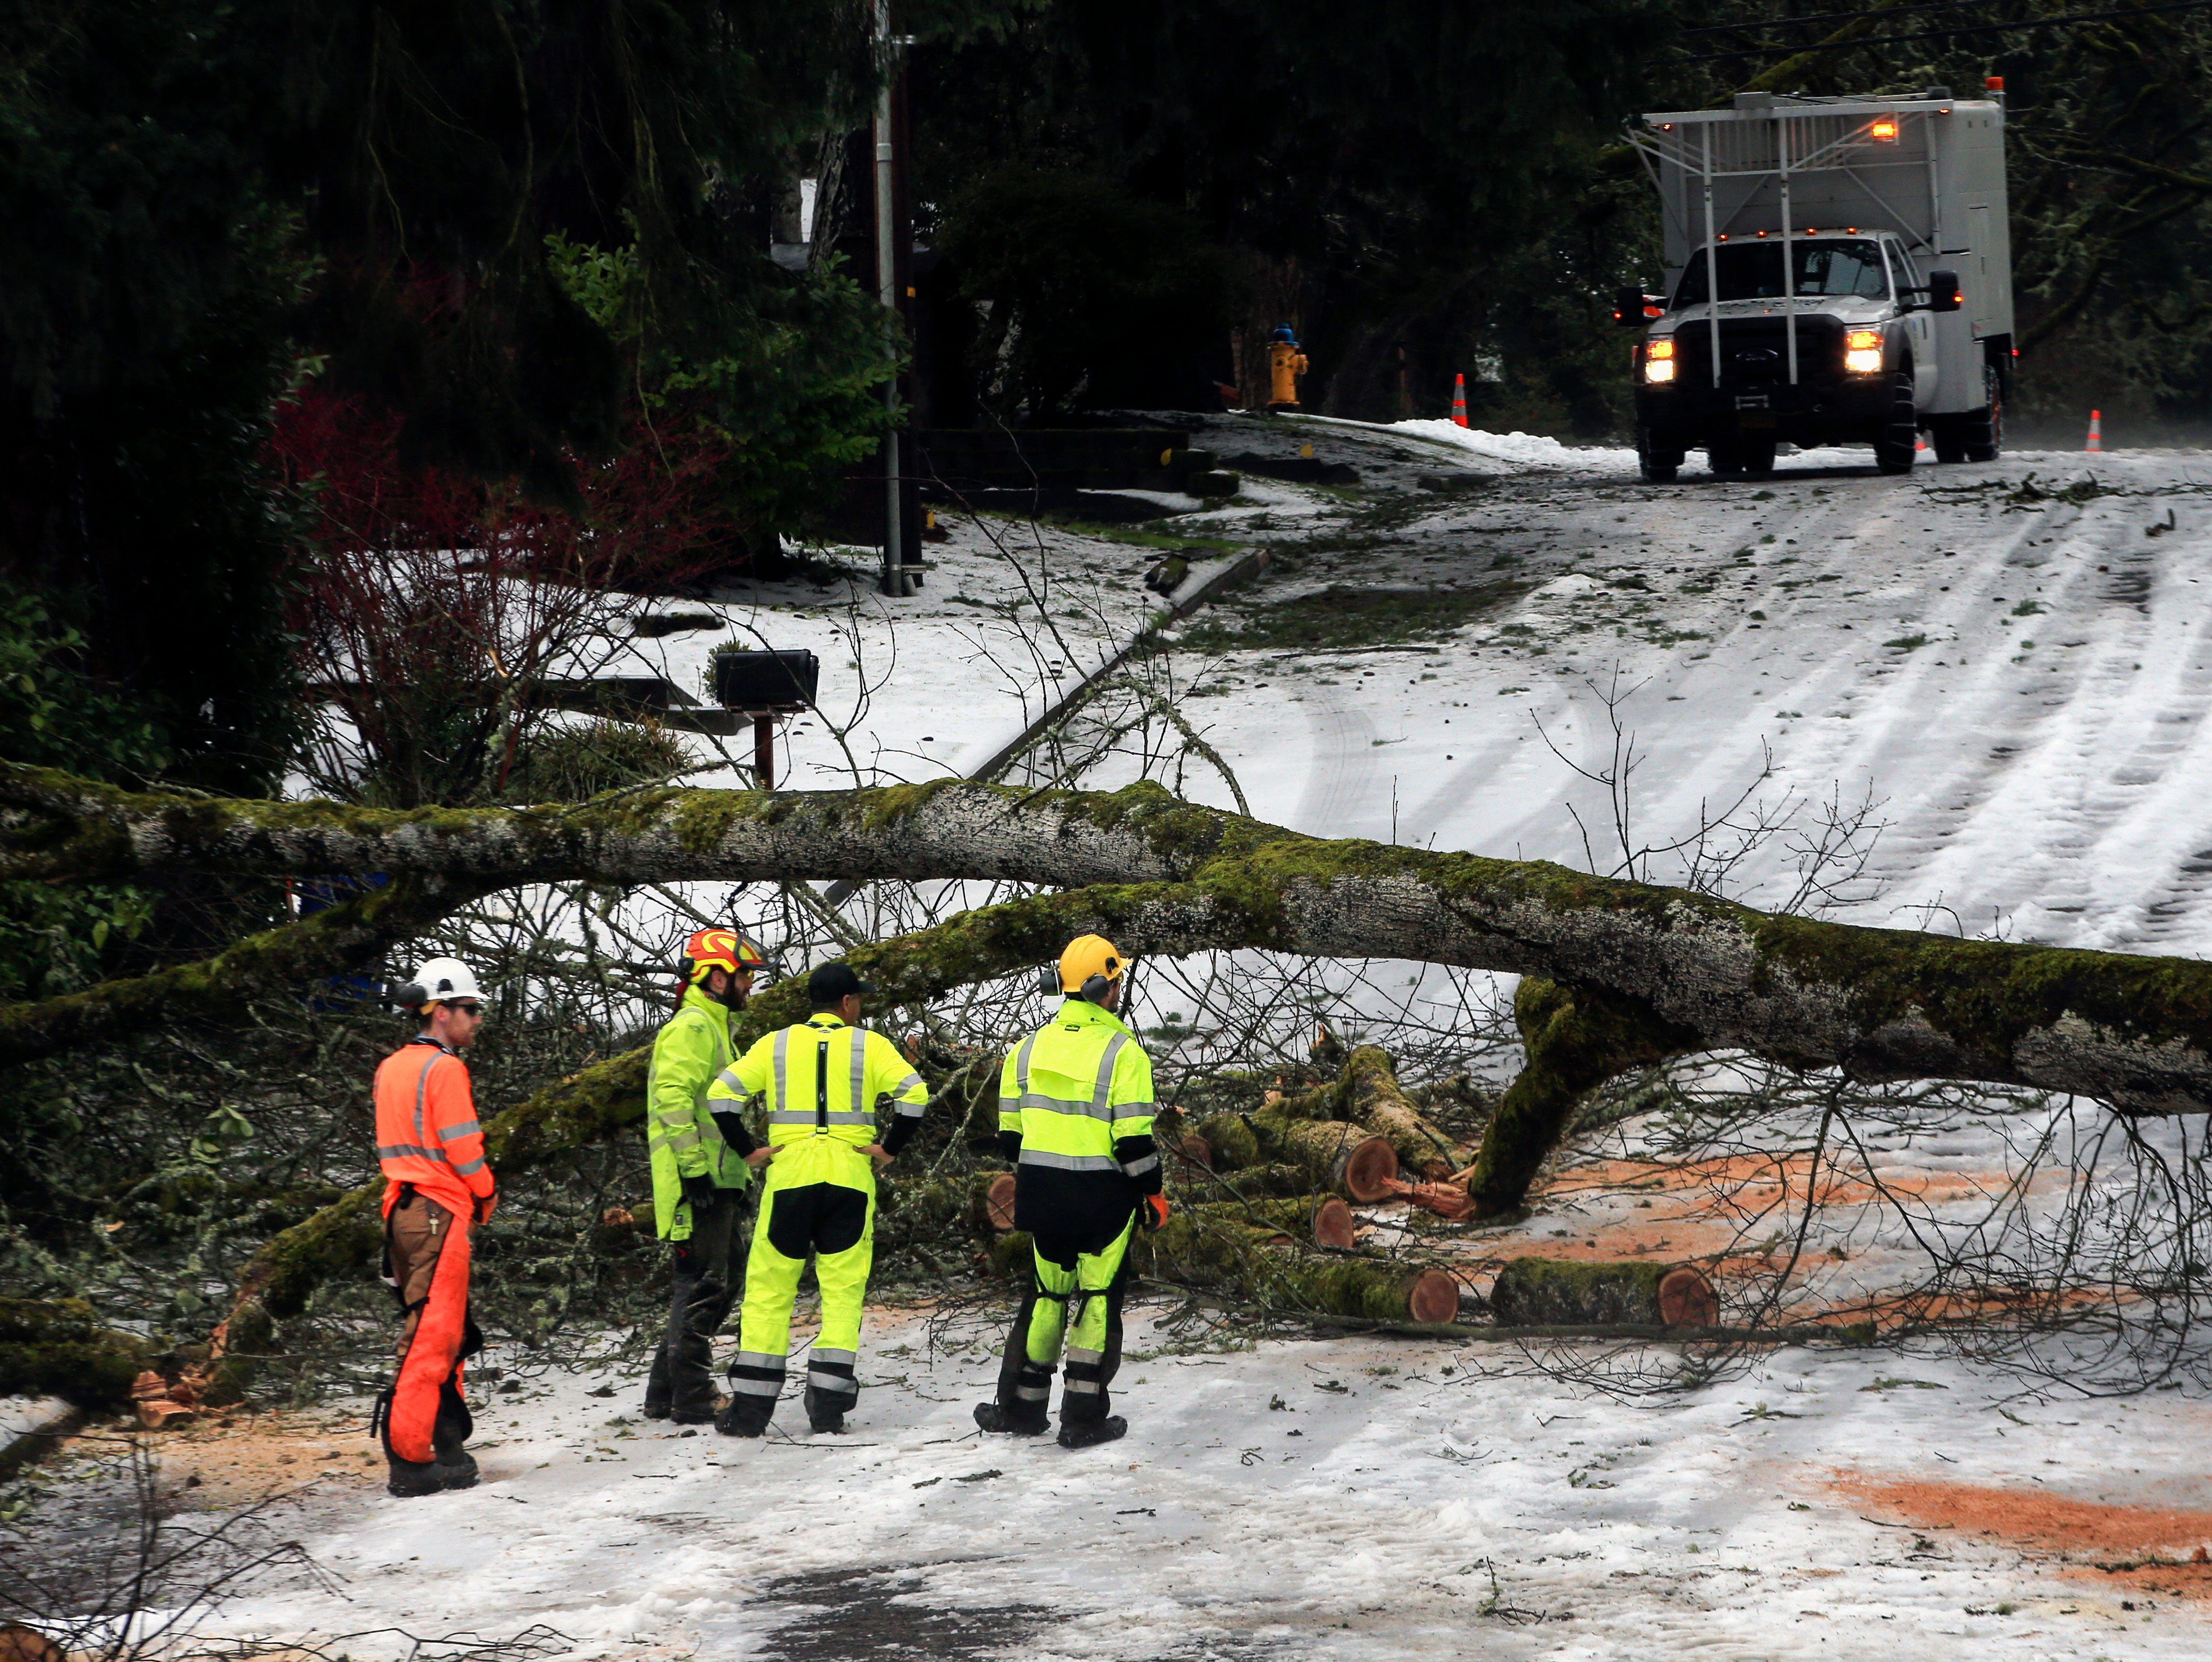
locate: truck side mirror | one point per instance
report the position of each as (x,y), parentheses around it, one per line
(1944,291)
(1631,308)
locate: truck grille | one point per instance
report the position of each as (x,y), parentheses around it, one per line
(1754,352)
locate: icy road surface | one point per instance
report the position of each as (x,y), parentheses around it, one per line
(2017,670)
(1352,1500)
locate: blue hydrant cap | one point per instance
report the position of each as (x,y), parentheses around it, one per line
(1286,333)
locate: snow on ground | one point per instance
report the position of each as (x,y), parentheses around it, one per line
(1011,616)
(2019,673)
(2016,669)
(1347,1498)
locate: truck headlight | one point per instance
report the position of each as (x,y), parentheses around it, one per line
(1862,352)
(1659,362)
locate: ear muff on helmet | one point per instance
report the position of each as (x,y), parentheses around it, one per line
(410,996)
(1094,987)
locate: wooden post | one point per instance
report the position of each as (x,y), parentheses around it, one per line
(764,751)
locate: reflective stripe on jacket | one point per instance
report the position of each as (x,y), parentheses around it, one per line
(1078,1093)
(426,1133)
(822,1078)
(680,1137)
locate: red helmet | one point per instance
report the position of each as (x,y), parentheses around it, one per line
(723,949)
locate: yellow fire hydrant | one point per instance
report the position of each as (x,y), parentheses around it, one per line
(1285,363)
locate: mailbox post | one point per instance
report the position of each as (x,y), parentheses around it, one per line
(766,685)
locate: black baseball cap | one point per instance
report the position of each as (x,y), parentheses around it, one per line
(828,983)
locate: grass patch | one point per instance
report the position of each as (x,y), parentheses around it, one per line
(1167,542)
(1906,643)
(1339,616)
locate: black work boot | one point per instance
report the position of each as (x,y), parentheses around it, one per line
(410,1478)
(745,1415)
(657,1392)
(449,1433)
(698,1411)
(825,1412)
(993,1417)
(1086,1434)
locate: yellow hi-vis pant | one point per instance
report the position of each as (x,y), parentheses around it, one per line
(1075,1296)
(819,1201)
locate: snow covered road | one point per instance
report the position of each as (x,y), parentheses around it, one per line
(2013,659)
(1349,1499)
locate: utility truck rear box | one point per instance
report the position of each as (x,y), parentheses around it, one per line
(1838,272)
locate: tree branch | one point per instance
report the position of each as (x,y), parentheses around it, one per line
(335,941)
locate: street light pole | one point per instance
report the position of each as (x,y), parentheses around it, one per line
(894,581)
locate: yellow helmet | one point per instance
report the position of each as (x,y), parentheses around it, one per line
(1090,958)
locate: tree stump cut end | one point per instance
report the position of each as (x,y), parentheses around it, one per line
(1370,1166)
(999,1205)
(1433,1297)
(1686,1299)
(1334,1224)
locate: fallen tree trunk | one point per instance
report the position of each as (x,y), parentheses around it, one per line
(1542,1292)
(334,942)
(60,1349)
(1575,1040)
(2134,1032)
(1221,1246)
(1330,1154)
(1368,1093)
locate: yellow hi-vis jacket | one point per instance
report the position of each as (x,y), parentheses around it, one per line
(1077,1094)
(822,1078)
(680,1137)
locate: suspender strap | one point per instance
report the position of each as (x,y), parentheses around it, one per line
(821,1086)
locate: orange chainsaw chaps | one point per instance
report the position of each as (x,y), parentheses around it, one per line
(434,1355)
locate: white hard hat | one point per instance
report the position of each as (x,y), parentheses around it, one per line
(438,981)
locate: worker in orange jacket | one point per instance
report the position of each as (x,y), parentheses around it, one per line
(436,1188)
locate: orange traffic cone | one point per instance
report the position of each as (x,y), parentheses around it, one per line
(1459,401)
(2096,431)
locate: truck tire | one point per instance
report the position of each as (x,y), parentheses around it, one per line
(1724,457)
(1756,456)
(1895,451)
(1658,463)
(1982,430)
(1948,434)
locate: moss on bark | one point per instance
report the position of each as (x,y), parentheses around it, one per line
(1168,876)
(335,941)
(59,1349)
(1576,1040)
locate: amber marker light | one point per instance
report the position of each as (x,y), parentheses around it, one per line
(1659,362)
(1884,130)
(1862,352)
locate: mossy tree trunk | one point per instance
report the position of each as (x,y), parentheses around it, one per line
(336,942)
(1575,1041)
(59,1349)
(1174,878)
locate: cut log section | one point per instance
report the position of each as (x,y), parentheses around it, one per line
(1223,1246)
(1369,1094)
(1334,1155)
(1277,1179)
(1334,1226)
(1686,1299)
(998,1202)
(1231,1141)
(1542,1292)
(1315,1220)
(1342,1158)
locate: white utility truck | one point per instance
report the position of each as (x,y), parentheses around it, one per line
(1838,272)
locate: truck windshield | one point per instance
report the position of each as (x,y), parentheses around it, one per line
(1752,272)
